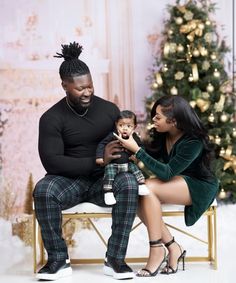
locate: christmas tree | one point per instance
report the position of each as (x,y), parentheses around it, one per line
(191,64)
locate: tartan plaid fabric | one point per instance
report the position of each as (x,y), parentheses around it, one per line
(112,169)
(55,193)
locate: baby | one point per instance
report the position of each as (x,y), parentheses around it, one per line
(125,125)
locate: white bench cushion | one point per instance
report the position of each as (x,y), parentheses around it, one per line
(87,207)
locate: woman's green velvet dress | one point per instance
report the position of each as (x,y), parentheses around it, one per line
(184,160)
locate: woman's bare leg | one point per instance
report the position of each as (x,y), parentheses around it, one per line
(150,213)
(173,192)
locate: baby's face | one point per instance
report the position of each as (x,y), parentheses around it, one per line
(125,126)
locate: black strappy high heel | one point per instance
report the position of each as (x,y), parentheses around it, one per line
(148,273)
(169,269)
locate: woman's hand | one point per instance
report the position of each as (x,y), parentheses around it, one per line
(129,143)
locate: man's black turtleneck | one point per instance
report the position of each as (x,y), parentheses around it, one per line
(68,142)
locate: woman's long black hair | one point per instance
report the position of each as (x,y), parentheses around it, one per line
(177,109)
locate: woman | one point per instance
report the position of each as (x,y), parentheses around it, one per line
(180,159)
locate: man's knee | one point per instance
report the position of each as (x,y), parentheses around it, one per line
(44,188)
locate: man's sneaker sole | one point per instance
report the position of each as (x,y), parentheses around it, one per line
(60,274)
(110,272)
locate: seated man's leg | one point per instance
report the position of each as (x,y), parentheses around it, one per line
(51,195)
(125,188)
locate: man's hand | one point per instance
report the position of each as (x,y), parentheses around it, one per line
(110,151)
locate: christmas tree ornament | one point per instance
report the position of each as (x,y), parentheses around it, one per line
(166,49)
(217,139)
(190,78)
(195,72)
(228,151)
(196,52)
(154,85)
(174,90)
(189,54)
(179,75)
(216,73)
(234,133)
(208,22)
(165,68)
(211,118)
(159,79)
(205,65)
(224,118)
(188,15)
(213,56)
(211,138)
(203,51)
(210,87)
(205,95)
(219,106)
(173,47)
(231,162)
(192,103)
(202,104)
(190,37)
(208,37)
(179,21)
(201,25)
(222,151)
(222,194)
(170,32)
(180,48)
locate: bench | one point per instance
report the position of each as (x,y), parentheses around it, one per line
(92,212)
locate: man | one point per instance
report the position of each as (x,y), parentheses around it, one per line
(69,133)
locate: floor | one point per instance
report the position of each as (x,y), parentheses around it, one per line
(16,261)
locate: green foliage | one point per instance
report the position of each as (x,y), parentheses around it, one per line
(192,63)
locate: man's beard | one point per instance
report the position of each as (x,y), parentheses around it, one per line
(79,108)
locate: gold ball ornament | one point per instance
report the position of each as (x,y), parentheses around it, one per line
(224,118)
(180,48)
(192,103)
(211,118)
(213,56)
(222,151)
(154,85)
(179,21)
(217,139)
(222,194)
(210,88)
(174,90)
(196,52)
(203,51)
(201,26)
(165,68)
(170,32)
(216,73)
(190,78)
(234,133)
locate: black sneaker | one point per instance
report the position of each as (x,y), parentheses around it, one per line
(118,269)
(55,270)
